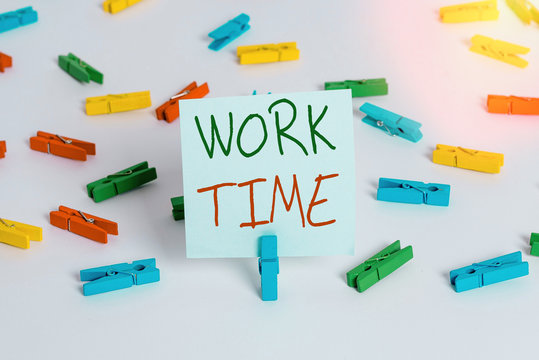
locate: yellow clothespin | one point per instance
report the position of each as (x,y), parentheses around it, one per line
(18,234)
(117,103)
(114,6)
(524,10)
(457,156)
(499,50)
(256,54)
(475,11)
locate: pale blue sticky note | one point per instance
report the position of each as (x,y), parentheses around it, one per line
(252,144)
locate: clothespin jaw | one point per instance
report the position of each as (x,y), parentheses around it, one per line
(5,61)
(379,266)
(360,88)
(513,105)
(3,149)
(178,209)
(534,242)
(228,32)
(499,50)
(119,276)
(489,272)
(469,159)
(108,104)
(79,69)
(413,192)
(474,11)
(18,234)
(14,19)
(268,267)
(83,224)
(115,6)
(524,10)
(121,182)
(62,146)
(170,110)
(258,54)
(391,123)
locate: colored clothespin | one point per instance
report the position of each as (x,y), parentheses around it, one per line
(366,87)
(254,92)
(62,146)
(178,209)
(228,32)
(121,182)
(379,266)
(5,61)
(170,110)
(489,272)
(14,19)
(499,50)
(534,242)
(119,276)
(268,267)
(467,158)
(524,10)
(513,105)
(3,149)
(18,234)
(83,224)
(393,124)
(79,69)
(266,53)
(117,103)
(475,11)
(114,6)
(413,192)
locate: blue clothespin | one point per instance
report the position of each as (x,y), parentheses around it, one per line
(254,92)
(13,19)
(489,272)
(268,267)
(413,192)
(119,276)
(228,32)
(393,124)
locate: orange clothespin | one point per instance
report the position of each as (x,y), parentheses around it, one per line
(62,146)
(5,61)
(89,226)
(3,149)
(513,105)
(170,110)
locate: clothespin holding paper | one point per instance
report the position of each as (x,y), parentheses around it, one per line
(121,182)
(524,10)
(499,50)
(360,88)
(62,146)
(266,53)
(178,208)
(14,19)
(513,105)
(474,11)
(413,192)
(268,267)
(460,157)
(83,224)
(115,6)
(3,149)
(5,61)
(228,32)
(108,104)
(78,69)
(379,266)
(119,276)
(18,234)
(393,124)
(170,110)
(489,272)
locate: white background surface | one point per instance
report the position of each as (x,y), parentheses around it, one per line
(211,308)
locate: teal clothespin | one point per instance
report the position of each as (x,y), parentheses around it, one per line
(379,266)
(178,210)
(268,267)
(14,19)
(79,69)
(121,182)
(228,32)
(360,88)
(534,242)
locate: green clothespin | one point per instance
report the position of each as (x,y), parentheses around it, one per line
(379,266)
(534,242)
(79,69)
(121,182)
(178,211)
(366,87)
